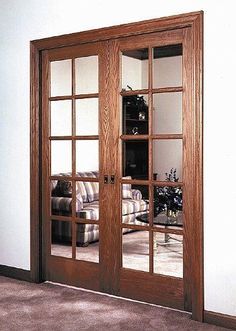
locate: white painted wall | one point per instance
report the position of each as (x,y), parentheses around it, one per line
(22,21)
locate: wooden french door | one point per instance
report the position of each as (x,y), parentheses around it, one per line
(117,166)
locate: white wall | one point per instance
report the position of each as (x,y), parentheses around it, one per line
(22,21)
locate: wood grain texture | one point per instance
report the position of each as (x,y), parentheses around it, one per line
(226,321)
(75,273)
(35,224)
(45,166)
(110,258)
(197,258)
(169,291)
(188,167)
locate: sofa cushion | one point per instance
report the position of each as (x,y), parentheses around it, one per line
(126,189)
(88,190)
(81,190)
(130,206)
(90,211)
(63,204)
(92,189)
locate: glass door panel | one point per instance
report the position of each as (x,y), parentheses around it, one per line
(167,113)
(61,118)
(168,254)
(87,155)
(135,114)
(135,159)
(167,159)
(87,117)
(61,239)
(135,69)
(86,74)
(61,157)
(71,114)
(61,83)
(167,66)
(151,140)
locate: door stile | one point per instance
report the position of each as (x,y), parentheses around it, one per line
(45,161)
(109,123)
(188,162)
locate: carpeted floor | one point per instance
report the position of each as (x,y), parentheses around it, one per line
(48,307)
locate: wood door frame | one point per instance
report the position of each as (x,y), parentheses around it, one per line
(195,22)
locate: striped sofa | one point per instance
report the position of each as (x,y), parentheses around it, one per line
(87,207)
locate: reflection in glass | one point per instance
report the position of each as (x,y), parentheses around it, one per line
(135,159)
(167,66)
(60,156)
(61,239)
(167,113)
(86,74)
(167,158)
(87,116)
(61,82)
(135,69)
(135,114)
(61,197)
(168,206)
(135,250)
(168,254)
(87,155)
(61,118)
(135,204)
(87,242)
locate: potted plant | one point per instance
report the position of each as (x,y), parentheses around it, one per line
(168,199)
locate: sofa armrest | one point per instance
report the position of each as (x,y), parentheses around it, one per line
(63,204)
(136,194)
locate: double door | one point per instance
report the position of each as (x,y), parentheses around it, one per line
(117,160)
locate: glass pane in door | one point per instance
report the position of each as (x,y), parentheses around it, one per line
(167,113)
(135,69)
(135,114)
(168,254)
(61,78)
(61,112)
(61,239)
(61,157)
(87,155)
(86,74)
(167,159)
(87,242)
(167,66)
(135,248)
(87,112)
(135,159)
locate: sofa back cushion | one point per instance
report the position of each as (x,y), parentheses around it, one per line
(126,189)
(92,189)
(81,190)
(87,191)
(64,189)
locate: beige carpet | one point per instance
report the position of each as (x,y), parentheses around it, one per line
(168,257)
(48,307)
